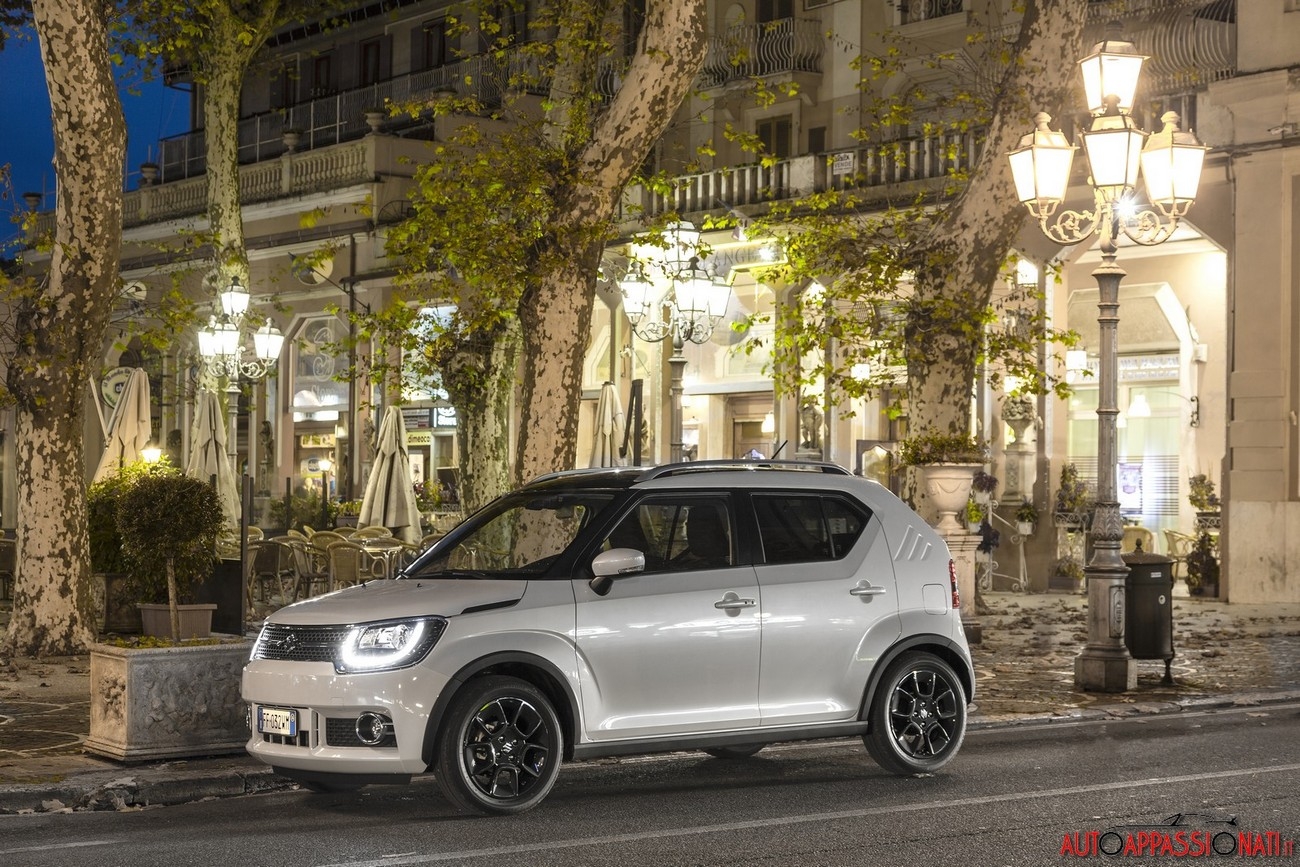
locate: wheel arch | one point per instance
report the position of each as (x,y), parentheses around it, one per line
(536,670)
(942,647)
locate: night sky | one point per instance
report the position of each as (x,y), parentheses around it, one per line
(152,112)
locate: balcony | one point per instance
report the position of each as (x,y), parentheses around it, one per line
(785,47)
(876,172)
(334,118)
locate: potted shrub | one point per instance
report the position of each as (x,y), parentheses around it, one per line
(1072,500)
(1067,574)
(346,513)
(946,465)
(974,515)
(1203,567)
(1204,500)
(107,562)
(1026,517)
(983,486)
(170,524)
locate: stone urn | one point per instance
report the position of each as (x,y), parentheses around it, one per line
(947,486)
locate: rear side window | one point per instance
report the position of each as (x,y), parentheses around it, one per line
(806,528)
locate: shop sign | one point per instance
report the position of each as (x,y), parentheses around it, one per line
(419,438)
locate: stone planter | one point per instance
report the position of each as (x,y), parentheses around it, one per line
(168,702)
(947,486)
(1025,528)
(196,619)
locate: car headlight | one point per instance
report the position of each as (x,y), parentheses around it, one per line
(388,644)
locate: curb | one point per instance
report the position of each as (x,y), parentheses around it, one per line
(139,788)
(173,783)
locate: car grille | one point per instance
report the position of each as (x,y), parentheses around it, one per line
(299,643)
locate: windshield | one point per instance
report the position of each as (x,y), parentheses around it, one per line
(520,535)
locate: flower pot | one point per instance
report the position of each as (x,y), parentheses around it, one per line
(973,526)
(1025,528)
(948,487)
(166,702)
(196,619)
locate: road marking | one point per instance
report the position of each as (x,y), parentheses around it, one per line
(787,821)
(56,846)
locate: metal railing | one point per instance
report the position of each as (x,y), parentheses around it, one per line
(775,47)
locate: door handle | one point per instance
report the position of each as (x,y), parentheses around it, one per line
(867,590)
(733,602)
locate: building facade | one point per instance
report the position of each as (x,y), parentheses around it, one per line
(1208,348)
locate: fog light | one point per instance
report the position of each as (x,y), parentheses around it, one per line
(372,728)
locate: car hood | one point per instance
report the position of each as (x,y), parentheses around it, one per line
(407,597)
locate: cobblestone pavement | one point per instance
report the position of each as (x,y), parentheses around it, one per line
(1024,665)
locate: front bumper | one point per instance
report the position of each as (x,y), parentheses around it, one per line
(328,705)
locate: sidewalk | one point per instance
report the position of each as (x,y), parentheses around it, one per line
(1225,655)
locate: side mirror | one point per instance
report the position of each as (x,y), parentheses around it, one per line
(607,565)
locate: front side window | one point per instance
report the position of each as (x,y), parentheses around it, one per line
(519,536)
(678,534)
(802,529)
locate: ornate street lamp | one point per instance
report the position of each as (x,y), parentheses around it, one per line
(667,273)
(221,341)
(1170,164)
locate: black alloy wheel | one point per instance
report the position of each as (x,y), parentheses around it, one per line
(918,715)
(499,749)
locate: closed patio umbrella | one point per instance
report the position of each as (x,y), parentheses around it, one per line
(208,456)
(389,500)
(609,428)
(130,427)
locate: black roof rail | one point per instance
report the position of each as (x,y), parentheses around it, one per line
(581,471)
(714,466)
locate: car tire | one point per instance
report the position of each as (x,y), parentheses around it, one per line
(742,752)
(917,718)
(499,748)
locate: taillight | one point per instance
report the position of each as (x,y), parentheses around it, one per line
(952,579)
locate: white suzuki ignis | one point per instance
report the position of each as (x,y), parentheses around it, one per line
(716,606)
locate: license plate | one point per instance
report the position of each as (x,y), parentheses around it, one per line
(277,721)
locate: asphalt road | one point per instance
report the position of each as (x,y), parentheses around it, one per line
(1010,798)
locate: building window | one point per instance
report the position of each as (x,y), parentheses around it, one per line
(774,133)
(774,10)
(817,140)
(371,62)
(912,11)
(284,87)
(322,75)
(435,51)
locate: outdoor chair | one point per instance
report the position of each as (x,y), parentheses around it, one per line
(255,534)
(322,539)
(8,558)
(1179,545)
(1134,535)
(374,531)
(386,554)
(272,577)
(348,564)
(296,534)
(313,567)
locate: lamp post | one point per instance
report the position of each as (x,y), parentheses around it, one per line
(1170,163)
(221,341)
(696,302)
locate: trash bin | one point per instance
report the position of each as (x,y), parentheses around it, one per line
(1149,607)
